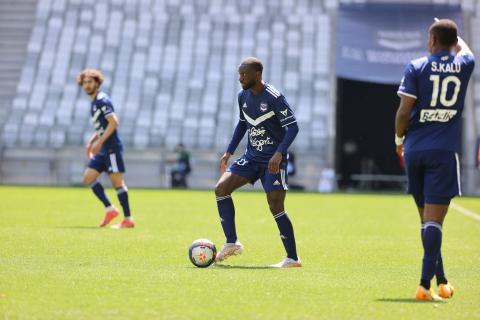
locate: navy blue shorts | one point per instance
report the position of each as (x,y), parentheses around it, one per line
(109,161)
(254,171)
(433,176)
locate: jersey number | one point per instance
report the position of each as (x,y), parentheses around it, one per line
(443,92)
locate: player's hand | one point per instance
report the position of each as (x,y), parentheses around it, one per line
(400,150)
(97,146)
(88,151)
(224,162)
(274,163)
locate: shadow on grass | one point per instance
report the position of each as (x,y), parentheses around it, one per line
(79,227)
(405,300)
(226,266)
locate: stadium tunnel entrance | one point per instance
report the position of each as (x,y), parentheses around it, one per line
(365,127)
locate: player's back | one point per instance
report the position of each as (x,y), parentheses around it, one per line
(439,84)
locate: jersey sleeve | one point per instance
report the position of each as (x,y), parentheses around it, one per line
(468,61)
(408,85)
(283,111)
(240,103)
(106,107)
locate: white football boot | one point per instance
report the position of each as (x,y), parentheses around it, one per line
(229,249)
(288,263)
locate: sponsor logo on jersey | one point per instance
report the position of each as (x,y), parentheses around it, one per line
(258,138)
(276,183)
(263,106)
(437,115)
(284,112)
(244,105)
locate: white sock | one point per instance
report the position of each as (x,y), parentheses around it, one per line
(109,208)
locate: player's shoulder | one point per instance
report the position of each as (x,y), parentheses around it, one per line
(465,58)
(241,94)
(103,98)
(419,63)
(272,92)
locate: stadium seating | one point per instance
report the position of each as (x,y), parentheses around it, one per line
(170,68)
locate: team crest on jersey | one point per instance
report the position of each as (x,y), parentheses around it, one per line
(263,106)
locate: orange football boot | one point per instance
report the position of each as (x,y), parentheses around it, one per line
(445,290)
(426,295)
(125,223)
(109,216)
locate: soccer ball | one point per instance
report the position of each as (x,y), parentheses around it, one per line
(202,253)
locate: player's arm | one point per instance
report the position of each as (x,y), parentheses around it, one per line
(238,134)
(462,47)
(88,146)
(291,132)
(401,120)
(288,122)
(109,130)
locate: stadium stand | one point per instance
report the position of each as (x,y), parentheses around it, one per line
(170,67)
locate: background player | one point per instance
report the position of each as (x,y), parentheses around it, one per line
(271,128)
(432,95)
(104,149)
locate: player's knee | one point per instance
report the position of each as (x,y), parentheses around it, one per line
(275,206)
(87,179)
(221,190)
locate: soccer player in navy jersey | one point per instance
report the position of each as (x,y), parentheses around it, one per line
(104,149)
(270,124)
(428,130)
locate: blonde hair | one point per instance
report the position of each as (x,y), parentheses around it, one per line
(95,74)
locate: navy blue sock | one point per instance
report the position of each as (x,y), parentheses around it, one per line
(122,194)
(439,271)
(432,242)
(287,235)
(226,210)
(98,190)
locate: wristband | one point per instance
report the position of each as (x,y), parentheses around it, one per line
(399,140)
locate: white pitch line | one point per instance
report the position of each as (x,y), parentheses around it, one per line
(465,211)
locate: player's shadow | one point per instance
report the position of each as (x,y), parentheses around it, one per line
(79,227)
(404,300)
(227,266)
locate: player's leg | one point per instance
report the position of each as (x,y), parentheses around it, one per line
(441,185)
(276,186)
(238,174)
(276,203)
(90,177)
(116,171)
(228,183)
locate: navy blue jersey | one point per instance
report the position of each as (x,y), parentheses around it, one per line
(101,108)
(439,85)
(266,114)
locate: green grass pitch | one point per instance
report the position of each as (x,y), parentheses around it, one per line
(361,256)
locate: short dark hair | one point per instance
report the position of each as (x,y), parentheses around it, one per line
(445,31)
(254,63)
